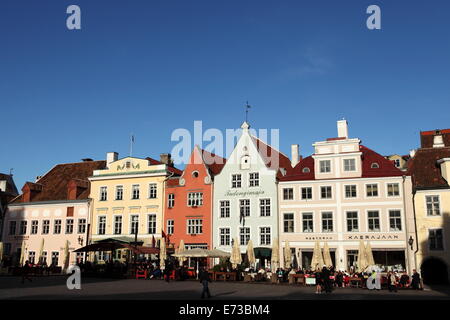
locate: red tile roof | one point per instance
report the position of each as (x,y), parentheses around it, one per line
(172,169)
(218,163)
(427,137)
(386,168)
(269,153)
(55,182)
(424,169)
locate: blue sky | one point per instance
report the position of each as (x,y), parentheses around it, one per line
(149,67)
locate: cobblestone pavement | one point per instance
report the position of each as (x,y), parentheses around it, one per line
(54,287)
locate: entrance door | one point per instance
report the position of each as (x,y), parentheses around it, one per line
(434,271)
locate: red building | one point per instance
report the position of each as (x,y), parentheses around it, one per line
(188,211)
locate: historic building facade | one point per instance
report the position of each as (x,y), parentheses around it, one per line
(344,193)
(8,191)
(188,208)
(128,198)
(49,212)
(430,171)
(245,196)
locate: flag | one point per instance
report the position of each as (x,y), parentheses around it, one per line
(132,138)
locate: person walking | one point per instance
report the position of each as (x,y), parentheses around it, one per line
(204,280)
(26,272)
(326,279)
(392,282)
(415,282)
(318,282)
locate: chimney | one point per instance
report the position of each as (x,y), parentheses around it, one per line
(111,157)
(166,159)
(75,187)
(294,155)
(342,127)
(3,185)
(438,141)
(412,153)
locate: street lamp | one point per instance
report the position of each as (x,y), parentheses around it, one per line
(411,241)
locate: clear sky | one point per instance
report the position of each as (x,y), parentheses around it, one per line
(148,67)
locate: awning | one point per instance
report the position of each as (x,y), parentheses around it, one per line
(110,246)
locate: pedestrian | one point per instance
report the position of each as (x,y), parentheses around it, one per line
(204,280)
(392,282)
(26,272)
(415,283)
(326,279)
(318,282)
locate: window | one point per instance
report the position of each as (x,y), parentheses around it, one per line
(306,193)
(23,227)
(117,224)
(152,191)
(46,227)
(102,225)
(170,226)
(134,224)
(244,235)
(244,207)
(254,179)
(171,200)
(325,192)
(135,191)
(288,194)
(374,165)
(195,174)
(350,191)
(57,227)
(397,163)
(306,170)
(151,225)
(119,192)
(327,222)
(395,220)
(12,228)
(224,236)
(308,223)
(34,227)
(288,220)
(103,193)
(43,257)
(81,226)
(195,199)
(435,239)
(55,258)
(433,207)
(236,181)
(264,233)
(31,256)
(393,189)
(325,166)
(373,220)
(349,165)
(352,221)
(195,226)
(264,207)
(69,226)
(372,190)
(225,208)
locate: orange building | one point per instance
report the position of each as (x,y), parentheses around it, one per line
(188,209)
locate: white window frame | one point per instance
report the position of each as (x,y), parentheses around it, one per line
(345,191)
(170,226)
(378,190)
(154,221)
(263,207)
(270,236)
(115,224)
(100,195)
(312,219)
(133,188)
(233,182)
(357,221)
(329,167)
(333,230)
(354,164)
(387,190)
(250,180)
(426,207)
(320,191)
(194,226)
(225,207)
(153,190)
(226,236)
(99,223)
(293,222)
(117,192)
(380,220)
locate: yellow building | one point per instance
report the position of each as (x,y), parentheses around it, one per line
(128,196)
(430,171)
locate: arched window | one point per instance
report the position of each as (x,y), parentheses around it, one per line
(195,174)
(306,170)
(374,165)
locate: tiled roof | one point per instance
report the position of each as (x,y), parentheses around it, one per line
(424,169)
(55,182)
(10,185)
(386,168)
(268,153)
(174,170)
(218,163)
(427,137)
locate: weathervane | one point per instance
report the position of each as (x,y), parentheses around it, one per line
(247,106)
(131,144)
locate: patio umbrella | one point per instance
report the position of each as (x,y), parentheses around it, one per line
(250,253)
(317,258)
(22,254)
(180,250)
(66,255)
(162,254)
(369,255)
(362,259)
(275,260)
(41,251)
(287,255)
(326,255)
(236,257)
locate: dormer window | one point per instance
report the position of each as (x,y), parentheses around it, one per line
(375,165)
(195,174)
(306,170)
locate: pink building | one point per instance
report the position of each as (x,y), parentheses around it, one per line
(49,212)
